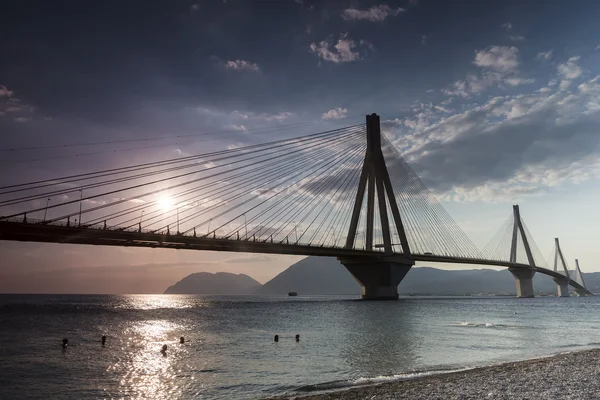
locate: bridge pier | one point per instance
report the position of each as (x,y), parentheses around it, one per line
(378,279)
(581,292)
(524,278)
(562,286)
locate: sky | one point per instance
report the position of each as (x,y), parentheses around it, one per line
(493,103)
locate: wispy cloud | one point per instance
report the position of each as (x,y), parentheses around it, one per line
(336,113)
(241,65)
(345,50)
(376,13)
(507,26)
(544,55)
(516,81)
(424,40)
(5,92)
(499,66)
(276,117)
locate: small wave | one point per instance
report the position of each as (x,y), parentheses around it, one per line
(362,381)
(484,325)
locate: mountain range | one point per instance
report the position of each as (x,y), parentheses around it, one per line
(322,275)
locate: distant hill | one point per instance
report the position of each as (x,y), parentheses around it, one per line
(219,283)
(313,275)
(322,275)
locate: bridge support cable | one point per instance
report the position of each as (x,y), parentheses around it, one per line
(269,199)
(214,169)
(239,185)
(560,264)
(108,172)
(514,243)
(429,228)
(561,267)
(498,247)
(572,277)
(230,158)
(578,277)
(282,212)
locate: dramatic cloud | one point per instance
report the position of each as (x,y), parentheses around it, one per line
(374,14)
(509,146)
(336,113)
(498,58)
(345,50)
(240,65)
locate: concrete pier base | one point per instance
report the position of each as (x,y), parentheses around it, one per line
(562,286)
(581,292)
(524,278)
(378,279)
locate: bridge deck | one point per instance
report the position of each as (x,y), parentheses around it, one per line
(39,232)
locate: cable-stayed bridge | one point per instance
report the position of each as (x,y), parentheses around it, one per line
(344,193)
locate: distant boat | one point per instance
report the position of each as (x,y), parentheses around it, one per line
(292,294)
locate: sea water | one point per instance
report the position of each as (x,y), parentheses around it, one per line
(229,351)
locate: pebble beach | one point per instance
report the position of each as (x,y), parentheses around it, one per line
(568,376)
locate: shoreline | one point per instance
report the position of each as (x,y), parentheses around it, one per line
(568,375)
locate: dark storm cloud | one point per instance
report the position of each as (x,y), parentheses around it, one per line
(551,136)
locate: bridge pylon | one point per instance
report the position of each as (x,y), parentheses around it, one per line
(561,283)
(379,275)
(523,276)
(579,279)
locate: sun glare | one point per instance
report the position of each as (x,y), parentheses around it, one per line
(166,203)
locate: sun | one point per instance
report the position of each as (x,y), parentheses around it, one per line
(165,202)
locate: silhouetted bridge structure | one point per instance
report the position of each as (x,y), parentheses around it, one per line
(344,193)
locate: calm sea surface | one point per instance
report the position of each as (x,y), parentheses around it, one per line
(229,351)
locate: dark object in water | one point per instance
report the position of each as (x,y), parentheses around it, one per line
(292,294)
(276,338)
(103,340)
(65,343)
(164,350)
(297,338)
(181,340)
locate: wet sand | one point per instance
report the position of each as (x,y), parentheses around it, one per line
(565,376)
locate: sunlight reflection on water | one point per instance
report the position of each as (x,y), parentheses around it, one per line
(146,373)
(157,301)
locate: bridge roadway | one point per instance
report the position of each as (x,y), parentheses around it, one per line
(49,233)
